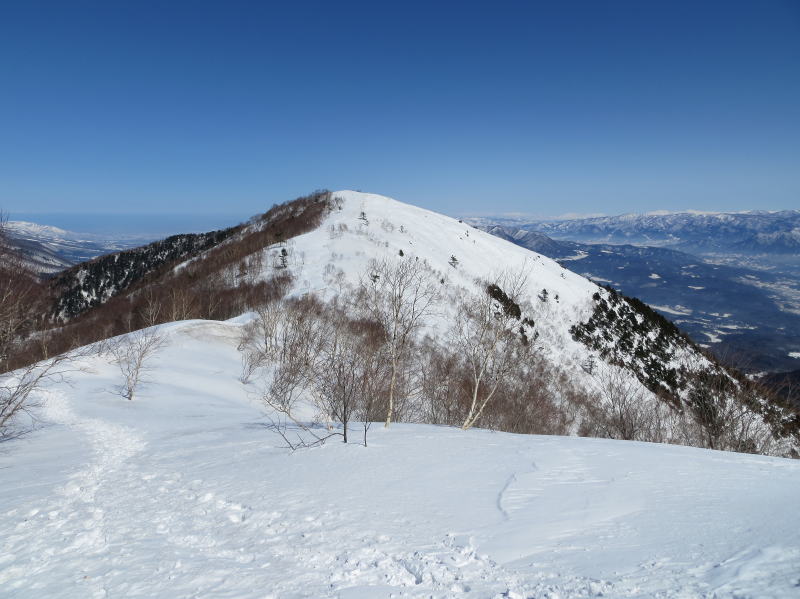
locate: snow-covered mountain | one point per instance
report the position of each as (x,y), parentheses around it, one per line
(326,243)
(185,492)
(189,489)
(48,249)
(694,232)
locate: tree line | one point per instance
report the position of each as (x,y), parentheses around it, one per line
(400,346)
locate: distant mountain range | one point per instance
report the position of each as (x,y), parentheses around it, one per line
(48,250)
(694,232)
(742,304)
(737,292)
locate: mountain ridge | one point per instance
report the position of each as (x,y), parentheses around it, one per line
(327,242)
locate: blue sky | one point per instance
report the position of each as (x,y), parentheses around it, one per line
(486,107)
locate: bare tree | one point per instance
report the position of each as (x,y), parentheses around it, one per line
(398,295)
(21,301)
(346,374)
(152,308)
(442,382)
(260,343)
(491,339)
(281,348)
(181,304)
(21,310)
(727,413)
(624,410)
(132,354)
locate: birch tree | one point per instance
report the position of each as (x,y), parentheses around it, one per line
(491,339)
(398,295)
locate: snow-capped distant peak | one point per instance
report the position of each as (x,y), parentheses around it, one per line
(25,228)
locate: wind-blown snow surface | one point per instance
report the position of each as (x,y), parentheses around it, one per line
(184,493)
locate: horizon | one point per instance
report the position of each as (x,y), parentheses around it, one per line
(205,107)
(144,225)
(148,226)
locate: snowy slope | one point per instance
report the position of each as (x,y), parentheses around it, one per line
(184,493)
(582,333)
(369,226)
(389,226)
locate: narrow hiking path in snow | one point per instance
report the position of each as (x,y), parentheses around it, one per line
(73,523)
(185,493)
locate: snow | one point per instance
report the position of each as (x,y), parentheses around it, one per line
(579,256)
(339,251)
(391,226)
(49,234)
(185,493)
(21,227)
(675,310)
(368,226)
(794,354)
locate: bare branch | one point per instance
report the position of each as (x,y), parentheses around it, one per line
(132,353)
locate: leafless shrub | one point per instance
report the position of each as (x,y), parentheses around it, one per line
(282,347)
(18,391)
(21,304)
(259,341)
(308,350)
(623,411)
(301,341)
(350,371)
(132,354)
(443,384)
(528,401)
(726,414)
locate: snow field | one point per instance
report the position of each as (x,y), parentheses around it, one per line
(185,493)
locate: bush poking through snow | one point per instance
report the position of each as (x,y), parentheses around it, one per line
(132,354)
(18,394)
(22,301)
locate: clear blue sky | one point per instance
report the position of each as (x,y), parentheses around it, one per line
(545,108)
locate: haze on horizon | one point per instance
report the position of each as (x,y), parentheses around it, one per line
(225,108)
